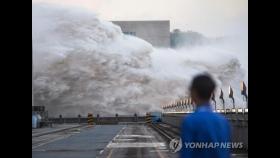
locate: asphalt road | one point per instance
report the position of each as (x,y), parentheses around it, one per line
(137,141)
(86,143)
(106,141)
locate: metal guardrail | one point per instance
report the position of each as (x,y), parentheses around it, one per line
(167,132)
(225,111)
(186,103)
(98,120)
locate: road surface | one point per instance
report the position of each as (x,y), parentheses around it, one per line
(105,141)
(137,141)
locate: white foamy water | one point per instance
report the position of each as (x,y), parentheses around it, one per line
(84,64)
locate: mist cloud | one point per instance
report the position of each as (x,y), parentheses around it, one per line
(84,64)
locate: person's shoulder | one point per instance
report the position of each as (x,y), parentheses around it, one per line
(221,117)
(187,121)
(189,117)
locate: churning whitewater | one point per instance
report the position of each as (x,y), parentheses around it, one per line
(84,64)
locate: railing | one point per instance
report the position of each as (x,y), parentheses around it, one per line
(186,104)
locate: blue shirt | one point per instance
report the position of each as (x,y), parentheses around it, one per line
(203,133)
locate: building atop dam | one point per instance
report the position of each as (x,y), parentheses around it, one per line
(155,32)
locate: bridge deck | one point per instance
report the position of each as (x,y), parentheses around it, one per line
(106,141)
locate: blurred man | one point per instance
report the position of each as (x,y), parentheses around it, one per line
(204,133)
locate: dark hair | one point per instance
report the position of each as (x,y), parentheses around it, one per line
(203,85)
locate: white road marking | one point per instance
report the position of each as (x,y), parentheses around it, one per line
(116,136)
(136,136)
(123,139)
(101,152)
(137,145)
(51,140)
(162,147)
(153,151)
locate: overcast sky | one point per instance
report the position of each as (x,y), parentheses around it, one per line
(210,17)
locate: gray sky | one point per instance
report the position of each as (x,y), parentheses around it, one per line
(210,17)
